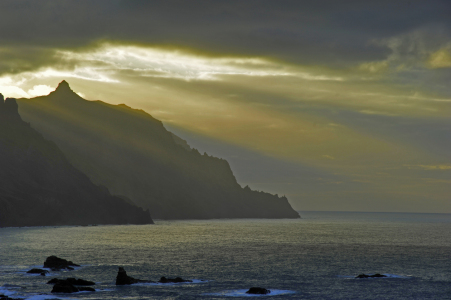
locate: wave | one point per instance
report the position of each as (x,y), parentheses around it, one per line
(193,281)
(6,292)
(387,276)
(45,297)
(242,293)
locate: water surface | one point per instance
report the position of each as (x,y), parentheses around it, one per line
(316,257)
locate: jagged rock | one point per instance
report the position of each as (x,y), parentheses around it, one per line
(258,291)
(123,279)
(38,271)
(56,263)
(64,288)
(377,275)
(9,109)
(72,281)
(173,280)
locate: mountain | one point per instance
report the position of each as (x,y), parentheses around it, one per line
(132,154)
(38,186)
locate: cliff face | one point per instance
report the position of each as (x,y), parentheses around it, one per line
(38,186)
(132,154)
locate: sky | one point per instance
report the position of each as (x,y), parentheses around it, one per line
(339,105)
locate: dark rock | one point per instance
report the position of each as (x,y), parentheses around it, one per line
(56,263)
(123,279)
(173,280)
(53,281)
(72,281)
(38,271)
(258,291)
(64,288)
(377,275)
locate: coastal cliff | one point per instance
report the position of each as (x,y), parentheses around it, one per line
(39,187)
(132,154)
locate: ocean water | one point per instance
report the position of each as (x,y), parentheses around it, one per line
(316,257)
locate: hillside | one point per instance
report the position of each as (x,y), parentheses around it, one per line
(132,154)
(38,186)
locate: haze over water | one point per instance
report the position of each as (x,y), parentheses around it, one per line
(316,257)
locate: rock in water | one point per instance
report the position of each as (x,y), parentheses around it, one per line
(173,280)
(123,279)
(56,263)
(64,288)
(72,281)
(258,291)
(377,275)
(38,271)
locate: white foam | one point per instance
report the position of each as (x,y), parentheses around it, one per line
(242,293)
(396,276)
(386,276)
(45,297)
(193,281)
(6,292)
(104,290)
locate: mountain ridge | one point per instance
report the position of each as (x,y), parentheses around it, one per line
(39,187)
(131,153)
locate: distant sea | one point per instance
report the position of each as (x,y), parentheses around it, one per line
(316,257)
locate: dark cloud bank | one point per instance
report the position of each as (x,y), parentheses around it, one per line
(325,32)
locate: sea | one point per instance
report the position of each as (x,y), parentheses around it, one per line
(315,257)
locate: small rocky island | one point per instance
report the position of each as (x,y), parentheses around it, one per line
(38,271)
(56,264)
(377,275)
(258,291)
(123,279)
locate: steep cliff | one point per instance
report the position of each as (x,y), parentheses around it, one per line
(132,154)
(38,186)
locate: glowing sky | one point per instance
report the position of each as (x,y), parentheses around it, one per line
(340,105)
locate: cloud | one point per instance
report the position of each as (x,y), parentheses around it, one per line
(430,167)
(440,59)
(374,67)
(181,64)
(40,90)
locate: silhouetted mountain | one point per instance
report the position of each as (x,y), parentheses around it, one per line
(38,186)
(132,154)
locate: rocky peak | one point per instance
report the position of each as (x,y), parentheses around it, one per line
(63,90)
(8,108)
(63,86)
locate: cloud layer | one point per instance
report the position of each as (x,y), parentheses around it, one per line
(354,92)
